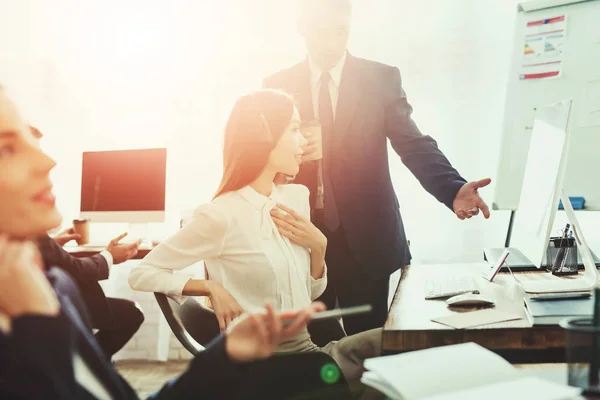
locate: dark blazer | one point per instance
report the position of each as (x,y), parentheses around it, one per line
(36,358)
(86,271)
(371,108)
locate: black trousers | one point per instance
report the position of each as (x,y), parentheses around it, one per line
(350,286)
(127,320)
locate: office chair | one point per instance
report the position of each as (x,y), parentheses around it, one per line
(202,324)
(194,320)
(192,323)
(286,376)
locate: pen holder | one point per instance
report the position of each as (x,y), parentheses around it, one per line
(561,256)
(582,340)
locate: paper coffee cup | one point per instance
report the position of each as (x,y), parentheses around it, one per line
(82,228)
(311,130)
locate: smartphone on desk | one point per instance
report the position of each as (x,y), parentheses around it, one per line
(337,313)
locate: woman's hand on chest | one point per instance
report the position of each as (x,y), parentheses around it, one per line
(298,229)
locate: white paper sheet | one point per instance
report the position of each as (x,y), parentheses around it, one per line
(543,48)
(524,388)
(457,367)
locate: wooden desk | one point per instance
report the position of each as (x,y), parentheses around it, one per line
(87,251)
(409,326)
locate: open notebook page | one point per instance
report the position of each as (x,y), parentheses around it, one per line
(424,373)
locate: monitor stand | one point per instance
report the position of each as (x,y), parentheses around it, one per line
(585,281)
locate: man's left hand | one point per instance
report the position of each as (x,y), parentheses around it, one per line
(122,252)
(467,202)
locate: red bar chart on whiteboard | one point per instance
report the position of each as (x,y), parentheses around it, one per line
(543,48)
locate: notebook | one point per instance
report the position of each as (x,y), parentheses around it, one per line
(462,371)
(551,312)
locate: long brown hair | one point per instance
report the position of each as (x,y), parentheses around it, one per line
(256,124)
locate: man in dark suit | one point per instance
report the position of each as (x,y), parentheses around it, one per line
(360,105)
(117,320)
(47,350)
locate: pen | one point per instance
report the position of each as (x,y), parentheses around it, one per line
(560,256)
(566,232)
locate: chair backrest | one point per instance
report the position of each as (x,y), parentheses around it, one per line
(199,320)
(187,321)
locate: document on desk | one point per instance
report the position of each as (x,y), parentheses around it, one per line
(476,318)
(462,371)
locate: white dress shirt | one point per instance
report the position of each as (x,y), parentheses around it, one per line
(243,250)
(334,83)
(88,380)
(108,257)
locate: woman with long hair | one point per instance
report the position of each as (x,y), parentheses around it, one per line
(255,237)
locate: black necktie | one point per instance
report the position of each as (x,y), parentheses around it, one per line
(332,220)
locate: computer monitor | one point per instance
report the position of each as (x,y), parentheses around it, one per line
(543,181)
(540,195)
(124,185)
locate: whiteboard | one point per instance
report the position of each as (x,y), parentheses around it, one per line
(579,80)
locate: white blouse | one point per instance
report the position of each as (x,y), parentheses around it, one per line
(243,250)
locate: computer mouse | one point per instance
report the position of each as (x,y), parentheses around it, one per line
(469,299)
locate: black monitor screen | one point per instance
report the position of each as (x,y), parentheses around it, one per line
(124,180)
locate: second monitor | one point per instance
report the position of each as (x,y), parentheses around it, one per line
(542,190)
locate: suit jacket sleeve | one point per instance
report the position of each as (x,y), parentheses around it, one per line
(83,269)
(38,362)
(418,152)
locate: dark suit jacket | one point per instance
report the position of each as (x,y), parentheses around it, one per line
(86,271)
(36,358)
(372,108)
